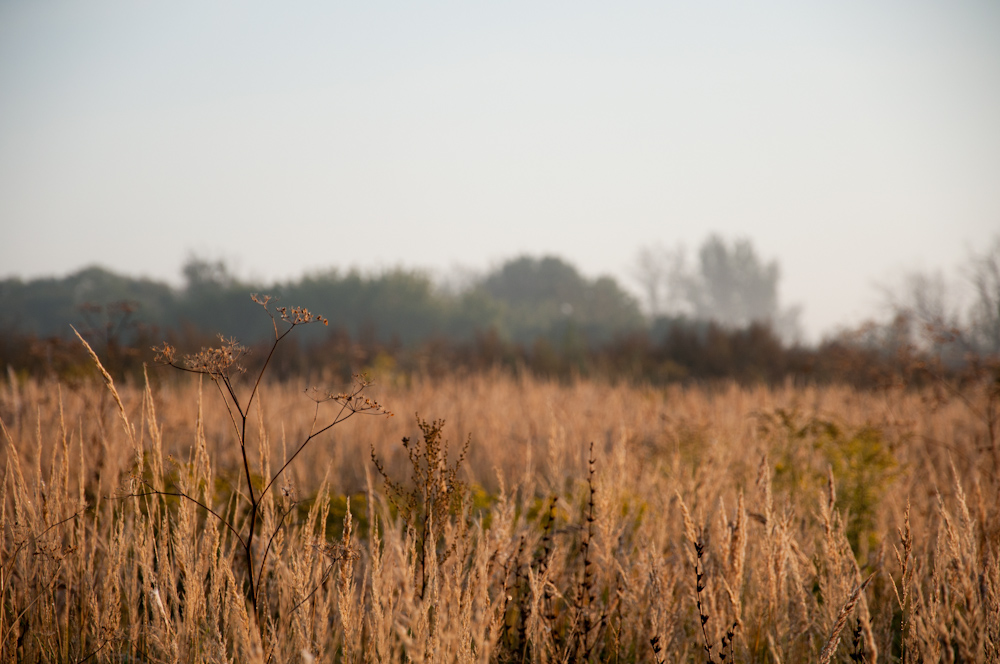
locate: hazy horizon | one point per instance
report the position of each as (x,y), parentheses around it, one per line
(849,142)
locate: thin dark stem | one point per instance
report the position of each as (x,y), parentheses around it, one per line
(229,410)
(99,649)
(75,515)
(423,545)
(306,442)
(246,463)
(267,360)
(232,394)
(200,504)
(248,546)
(699,570)
(336,420)
(181,367)
(313,591)
(218,368)
(267,549)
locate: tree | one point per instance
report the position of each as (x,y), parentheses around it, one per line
(201,273)
(662,276)
(984,315)
(730,285)
(548,297)
(733,286)
(46,307)
(934,315)
(926,298)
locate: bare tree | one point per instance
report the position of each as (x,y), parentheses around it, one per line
(926,298)
(984,315)
(736,287)
(730,284)
(937,311)
(663,277)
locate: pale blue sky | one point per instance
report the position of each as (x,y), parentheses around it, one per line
(849,140)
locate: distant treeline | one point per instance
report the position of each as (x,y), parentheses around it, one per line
(531,314)
(522,301)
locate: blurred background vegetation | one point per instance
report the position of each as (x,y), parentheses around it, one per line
(715,317)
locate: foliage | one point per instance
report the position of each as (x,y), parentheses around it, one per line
(547,297)
(47,307)
(535,315)
(810,449)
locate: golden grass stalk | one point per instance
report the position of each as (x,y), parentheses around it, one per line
(845,611)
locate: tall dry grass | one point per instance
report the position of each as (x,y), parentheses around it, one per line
(720,523)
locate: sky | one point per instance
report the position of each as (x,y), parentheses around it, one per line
(850,141)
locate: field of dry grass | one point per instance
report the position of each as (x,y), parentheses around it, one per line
(586,522)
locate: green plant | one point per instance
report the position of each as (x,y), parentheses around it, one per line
(861,460)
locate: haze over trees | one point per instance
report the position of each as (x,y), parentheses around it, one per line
(524,298)
(729,284)
(521,300)
(716,316)
(984,316)
(948,317)
(546,296)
